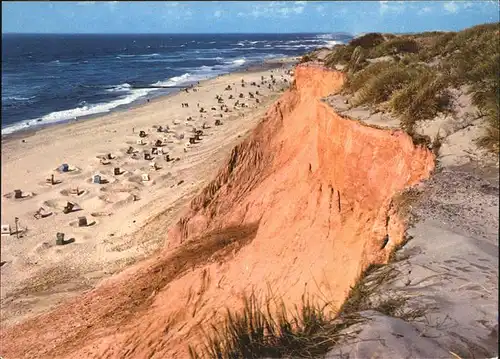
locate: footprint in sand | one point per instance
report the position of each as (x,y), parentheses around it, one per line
(94,204)
(137,178)
(134,143)
(101,214)
(120,187)
(43,247)
(72,192)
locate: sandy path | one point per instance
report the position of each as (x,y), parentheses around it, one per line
(37,274)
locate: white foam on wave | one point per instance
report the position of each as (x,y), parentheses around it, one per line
(93,109)
(122,87)
(138,55)
(16,98)
(84,110)
(332,43)
(174,81)
(238,62)
(239,49)
(218,58)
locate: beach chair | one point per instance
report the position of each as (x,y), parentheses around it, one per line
(68,208)
(5,229)
(50,180)
(59,239)
(82,221)
(41,213)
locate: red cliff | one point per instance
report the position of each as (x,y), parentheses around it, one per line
(303,204)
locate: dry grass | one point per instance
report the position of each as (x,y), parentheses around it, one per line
(398,45)
(308,331)
(259,331)
(308,58)
(377,83)
(421,99)
(368,41)
(415,91)
(405,200)
(341,55)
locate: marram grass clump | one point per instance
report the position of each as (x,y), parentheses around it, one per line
(411,74)
(258,331)
(269,329)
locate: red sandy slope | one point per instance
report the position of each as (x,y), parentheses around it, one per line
(308,197)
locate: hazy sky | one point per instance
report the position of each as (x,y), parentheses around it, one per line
(247,17)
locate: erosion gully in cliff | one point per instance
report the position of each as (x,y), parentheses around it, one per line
(303,205)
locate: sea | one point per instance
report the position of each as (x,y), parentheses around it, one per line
(53,78)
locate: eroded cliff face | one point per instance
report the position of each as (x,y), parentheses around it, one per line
(312,193)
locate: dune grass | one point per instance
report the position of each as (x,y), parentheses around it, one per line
(420,99)
(258,331)
(408,86)
(378,82)
(306,331)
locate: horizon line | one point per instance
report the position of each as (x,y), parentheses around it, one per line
(171,33)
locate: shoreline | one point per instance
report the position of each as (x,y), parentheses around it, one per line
(36,273)
(265,65)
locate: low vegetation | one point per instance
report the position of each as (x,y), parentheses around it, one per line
(411,75)
(308,331)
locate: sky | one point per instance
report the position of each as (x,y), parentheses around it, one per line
(353,17)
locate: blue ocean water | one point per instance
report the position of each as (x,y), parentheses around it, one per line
(53,78)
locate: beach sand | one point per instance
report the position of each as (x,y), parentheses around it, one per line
(127,218)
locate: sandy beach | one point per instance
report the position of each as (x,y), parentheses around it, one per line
(36,273)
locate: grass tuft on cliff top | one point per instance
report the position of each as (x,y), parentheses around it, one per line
(411,75)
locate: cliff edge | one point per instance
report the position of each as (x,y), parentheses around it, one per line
(305,204)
